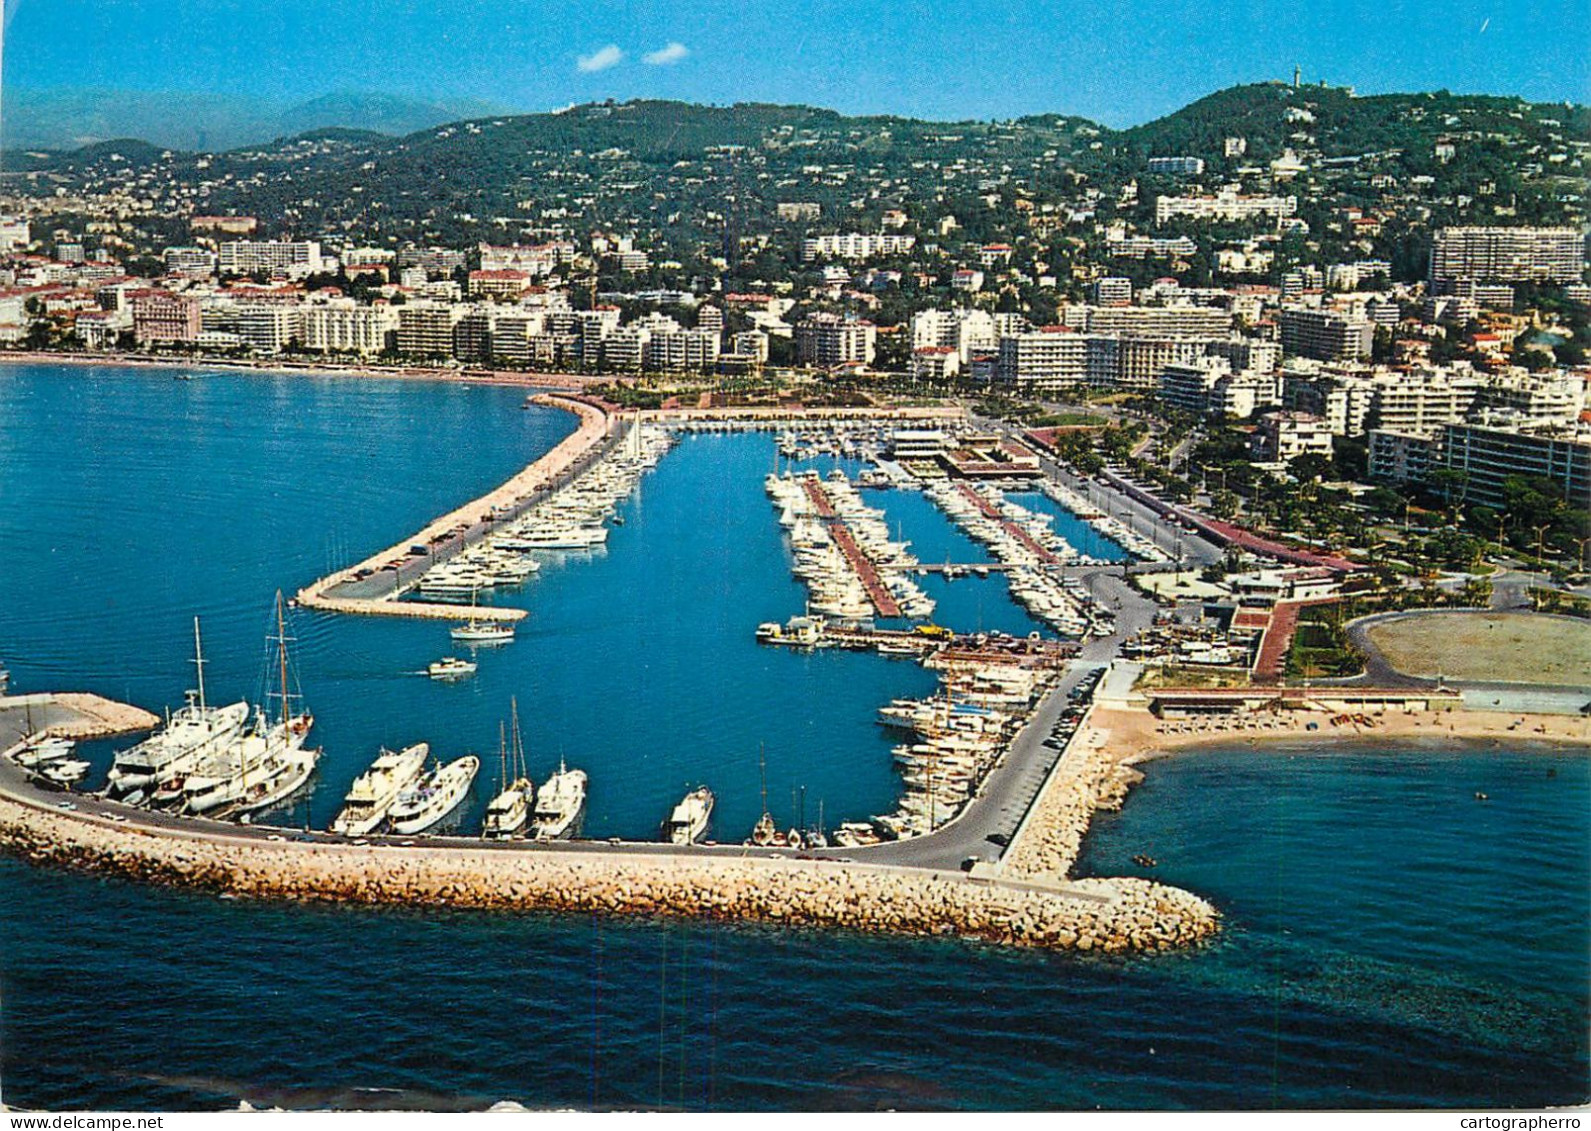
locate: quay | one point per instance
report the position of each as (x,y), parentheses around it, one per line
(373,587)
(865,569)
(592,877)
(1043,556)
(959,648)
(77,715)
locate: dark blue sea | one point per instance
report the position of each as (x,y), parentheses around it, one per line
(1389,940)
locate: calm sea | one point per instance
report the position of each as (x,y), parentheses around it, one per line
(1390,940)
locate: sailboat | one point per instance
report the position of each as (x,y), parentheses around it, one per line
(764,832)
(195,732)
(508,812)
(476,631)
(266,764)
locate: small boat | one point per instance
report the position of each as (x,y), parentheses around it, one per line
(41,752)
(764,832)
(483,632)
(450,667)
(509,811)
(688,823)
(435,797)
(68,772)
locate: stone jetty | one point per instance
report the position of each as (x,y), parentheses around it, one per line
(1087,778)
(68,714)
(1115,915)
(474,518)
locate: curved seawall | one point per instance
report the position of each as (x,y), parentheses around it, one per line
(461,526)
(1108,915)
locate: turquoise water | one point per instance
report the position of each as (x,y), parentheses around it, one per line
(1390,941)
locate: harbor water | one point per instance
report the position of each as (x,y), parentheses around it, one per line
(1389,941)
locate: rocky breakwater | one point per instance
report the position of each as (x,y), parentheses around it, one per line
(1104,915)
(1087,778)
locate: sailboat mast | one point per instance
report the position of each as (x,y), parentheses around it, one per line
(762,767)
(502,756)
(198,662)
(281,653)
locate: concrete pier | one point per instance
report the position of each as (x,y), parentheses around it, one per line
(373,587)
(68,714)
(1106,915)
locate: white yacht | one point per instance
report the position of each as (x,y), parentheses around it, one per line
(559,803)
(264,765)
(450,667)
(688,823)
(196,731)
(374,791)
(508,813)
(68,771)
(434,797)
(483,632)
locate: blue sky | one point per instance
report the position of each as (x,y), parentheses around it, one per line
(1118,63)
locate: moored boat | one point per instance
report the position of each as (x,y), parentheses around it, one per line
(373,792)
(559,803)
(434,797)
(688,822)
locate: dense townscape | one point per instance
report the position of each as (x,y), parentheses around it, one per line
(1390,289)
(1263,425)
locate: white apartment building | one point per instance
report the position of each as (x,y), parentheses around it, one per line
(1209,386)
(1227,204)
(194,262)
(855,245)
(426,329)
(1544,255)
(535,260)
(1282,437)
(1152,321)
(827,340)
(245,257)
(679,350)
(963,330)
(1053,359)
(343,326)
(935,363)
(268,327)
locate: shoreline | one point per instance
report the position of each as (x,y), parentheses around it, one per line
(319,368)
(1113,915)
(1101,765)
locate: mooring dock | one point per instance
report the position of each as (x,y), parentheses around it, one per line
(990,511)
(865,569)
(375,586)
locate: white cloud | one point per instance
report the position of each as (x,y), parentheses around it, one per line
(601,59)
(665,56)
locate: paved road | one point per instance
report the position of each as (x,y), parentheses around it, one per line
(17,786)
(1191,548)
(385,581)
(1001,803)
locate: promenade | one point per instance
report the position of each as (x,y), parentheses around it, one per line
(374,586)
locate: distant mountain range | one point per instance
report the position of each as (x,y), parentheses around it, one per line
(69,119)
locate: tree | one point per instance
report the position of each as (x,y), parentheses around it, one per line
(1310,468)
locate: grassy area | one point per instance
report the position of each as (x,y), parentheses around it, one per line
(1505,647)
(1189,675)
(1321,648)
